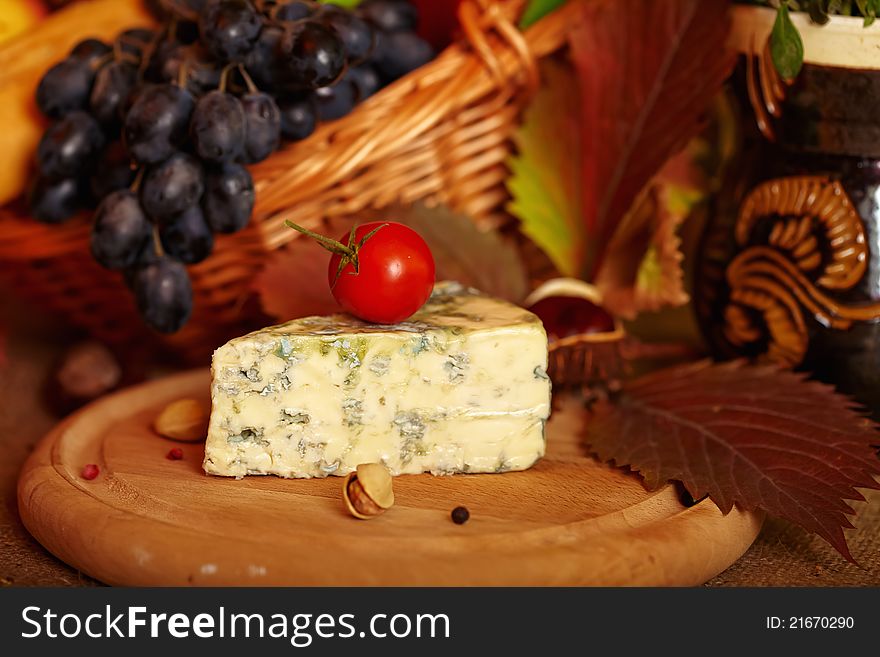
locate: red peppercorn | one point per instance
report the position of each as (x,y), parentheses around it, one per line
(174,454)
(90,471)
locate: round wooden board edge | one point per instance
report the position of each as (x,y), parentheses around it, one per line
(45,509)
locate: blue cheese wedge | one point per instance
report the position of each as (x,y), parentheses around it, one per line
(459,387)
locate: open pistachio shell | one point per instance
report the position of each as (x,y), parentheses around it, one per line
(368,491)
(377,483)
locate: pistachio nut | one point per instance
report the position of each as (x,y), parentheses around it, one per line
(368,491)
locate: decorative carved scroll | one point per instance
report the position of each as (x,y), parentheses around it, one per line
(799,239)
(766,89)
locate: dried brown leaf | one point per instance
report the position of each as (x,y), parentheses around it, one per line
(754,436)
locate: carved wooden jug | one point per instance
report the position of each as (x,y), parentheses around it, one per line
(789,269)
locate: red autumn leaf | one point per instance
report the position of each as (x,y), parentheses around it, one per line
(754,436)
(648,71)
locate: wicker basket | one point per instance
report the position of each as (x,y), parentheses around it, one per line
(440,135)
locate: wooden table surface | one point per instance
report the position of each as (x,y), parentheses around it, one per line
(782,555)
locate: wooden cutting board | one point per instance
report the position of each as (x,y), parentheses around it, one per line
(147,520)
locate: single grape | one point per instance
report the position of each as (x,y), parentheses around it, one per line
(390,15)
(163,294)
(401,53)
(121,230)
(52,202)
(202,73)
(217,127)
(229,198)
(186,237)
(336,101)
(299,118)
(229,28)
(312,55)
(355,32)
(292,11)
(65,88)
(113,171)
(70,147)
(113,83)
(173,186)
(262,61)
(366,80)
(157,122)
(262,126)
(91,52)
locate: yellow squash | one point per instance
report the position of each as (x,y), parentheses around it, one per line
(25,58)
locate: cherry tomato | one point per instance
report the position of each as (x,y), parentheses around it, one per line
(395,274)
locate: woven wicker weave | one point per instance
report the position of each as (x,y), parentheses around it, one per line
(440,135)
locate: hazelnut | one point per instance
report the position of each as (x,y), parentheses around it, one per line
(368,491)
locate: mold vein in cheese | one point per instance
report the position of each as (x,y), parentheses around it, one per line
(460,387)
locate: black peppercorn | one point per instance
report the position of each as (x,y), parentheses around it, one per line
(460,515)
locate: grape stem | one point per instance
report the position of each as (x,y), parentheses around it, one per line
(224,76)
(136,184)
(105,59)
(183,73)
(120,55)
(157,241)
(252,88)
(348,253)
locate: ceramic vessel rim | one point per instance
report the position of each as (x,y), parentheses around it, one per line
(842,42)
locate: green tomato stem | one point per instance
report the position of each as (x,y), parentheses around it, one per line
(348,253)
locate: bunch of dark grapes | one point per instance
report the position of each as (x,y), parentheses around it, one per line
(154,130)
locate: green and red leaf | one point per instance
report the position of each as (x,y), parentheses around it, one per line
(645,71)
(545,176)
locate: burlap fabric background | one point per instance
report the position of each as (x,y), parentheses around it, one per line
(783,555)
